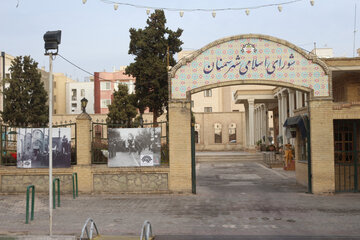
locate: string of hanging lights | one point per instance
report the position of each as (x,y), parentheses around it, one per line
(213,11)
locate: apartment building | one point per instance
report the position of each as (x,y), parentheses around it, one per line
(105,83)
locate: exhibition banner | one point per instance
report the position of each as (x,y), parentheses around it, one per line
(134,147)
(33,147)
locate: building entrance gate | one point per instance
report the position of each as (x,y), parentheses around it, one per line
(251,59)
(346,155)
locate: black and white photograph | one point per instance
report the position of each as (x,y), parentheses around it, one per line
(33,147)
(134,147)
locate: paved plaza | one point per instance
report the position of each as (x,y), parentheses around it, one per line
(234,200)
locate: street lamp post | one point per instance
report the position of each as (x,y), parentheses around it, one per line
(84,102)
(52,40)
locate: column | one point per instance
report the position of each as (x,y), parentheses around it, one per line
(247,142)
(83,153)
(180,146)
(306,99)
(256,134)
(266,123)
(291,102)
(299,99)
(280,112)
(284,115)
(261,122)
(251,123)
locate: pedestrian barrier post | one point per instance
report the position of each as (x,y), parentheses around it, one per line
(32,203)
(75,185)
(58,192)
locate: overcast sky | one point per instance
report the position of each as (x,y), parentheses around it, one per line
(96,37)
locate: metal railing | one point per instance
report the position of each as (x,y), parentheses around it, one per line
(32,203)
(75,185)
(146,231)
(271,159)
(88,232)
(54,192)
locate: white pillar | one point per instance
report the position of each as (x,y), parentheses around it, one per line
(266,124)
(247,142)
(291,102)
(284,115)
(280,111)
(251,123)
(306,98)
(262,127)
(256,136)
(299,99)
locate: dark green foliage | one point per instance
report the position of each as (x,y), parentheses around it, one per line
(25,99)
(149,45)
(122,109)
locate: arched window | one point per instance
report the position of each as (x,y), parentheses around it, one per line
(232,133)
(217,131)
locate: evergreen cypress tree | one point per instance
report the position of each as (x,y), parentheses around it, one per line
(150,46)
(25,99)
(122,109)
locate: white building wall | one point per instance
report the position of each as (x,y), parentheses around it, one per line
(73,102)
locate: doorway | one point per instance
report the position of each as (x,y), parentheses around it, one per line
(346,155)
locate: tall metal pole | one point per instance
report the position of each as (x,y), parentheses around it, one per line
(354,32)
(50,145)
(3,78)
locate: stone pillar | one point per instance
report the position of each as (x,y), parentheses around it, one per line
(280,112)
(261,121)
(83,153)
(322,150)
(291,103)
(255,125)
(284,115)
(299,99)
(180,146)
(247,142)
(266,123)
(251,123)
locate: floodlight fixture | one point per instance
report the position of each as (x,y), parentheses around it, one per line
(52,40)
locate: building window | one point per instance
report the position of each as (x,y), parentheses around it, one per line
(82,92)
(73,107)
(54,84)
(207,93)
(303,149)
(54,98)
(105,86)
(105,103)
(207,109)
(217,133)
(73,95)
(192,103)
(196,137)
(232,133)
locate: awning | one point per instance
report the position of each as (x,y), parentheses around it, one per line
(300,122)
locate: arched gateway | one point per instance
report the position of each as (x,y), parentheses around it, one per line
(237,60)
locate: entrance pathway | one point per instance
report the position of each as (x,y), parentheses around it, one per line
(237,198)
